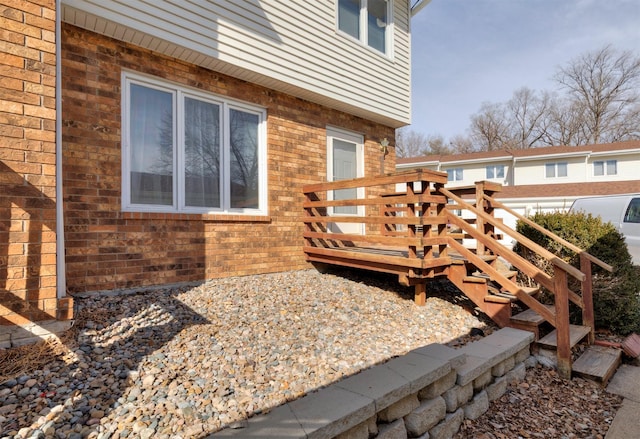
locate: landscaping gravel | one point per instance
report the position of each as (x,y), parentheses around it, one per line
(185,362)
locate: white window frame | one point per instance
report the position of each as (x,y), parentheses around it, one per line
(556,167)
(495,169)
(363,38)
(605,167)
(180,92)
(455,173)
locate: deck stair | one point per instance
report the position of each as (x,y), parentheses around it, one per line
(598,363)
(426,231)
(529,320)
(576,334)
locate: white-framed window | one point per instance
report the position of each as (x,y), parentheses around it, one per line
(495,171)
(605,167)
(553,170)
(368,21)
(454,174)
(188,151)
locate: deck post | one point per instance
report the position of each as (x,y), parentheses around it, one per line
(480,203)
(420,295)
(562,322)
(588,317)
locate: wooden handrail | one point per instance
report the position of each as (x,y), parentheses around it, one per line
(550,234)
(570,269)
(511,286)
(516,260)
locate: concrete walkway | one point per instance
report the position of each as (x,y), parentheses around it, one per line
(626,383)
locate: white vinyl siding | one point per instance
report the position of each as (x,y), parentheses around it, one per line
(289,46)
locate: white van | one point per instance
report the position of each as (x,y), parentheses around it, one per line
(623,211)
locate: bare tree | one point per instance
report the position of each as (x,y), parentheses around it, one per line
(563,124)
(461,144)
(410,143)
(489,127)
(526,111)
(606,83)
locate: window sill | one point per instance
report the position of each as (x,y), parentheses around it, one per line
(206,217)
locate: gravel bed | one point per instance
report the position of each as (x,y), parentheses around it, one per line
(185,362)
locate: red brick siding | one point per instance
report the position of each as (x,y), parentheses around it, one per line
(28,165)
(109,249)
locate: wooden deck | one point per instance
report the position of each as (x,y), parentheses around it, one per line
(414,228)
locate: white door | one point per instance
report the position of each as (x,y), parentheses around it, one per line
(345,160)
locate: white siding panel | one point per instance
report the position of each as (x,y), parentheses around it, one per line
(291,46)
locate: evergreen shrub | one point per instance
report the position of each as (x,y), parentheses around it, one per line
(616,295)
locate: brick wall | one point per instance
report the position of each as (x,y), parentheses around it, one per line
(28,164)
(108,249)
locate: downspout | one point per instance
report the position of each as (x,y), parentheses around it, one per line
(61,281)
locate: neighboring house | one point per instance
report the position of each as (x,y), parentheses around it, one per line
(542,179)
(149,143)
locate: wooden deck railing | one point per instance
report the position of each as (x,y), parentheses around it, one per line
(406,232)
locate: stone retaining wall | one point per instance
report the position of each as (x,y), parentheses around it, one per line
(426,394)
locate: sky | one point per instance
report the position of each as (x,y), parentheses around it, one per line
(466,52)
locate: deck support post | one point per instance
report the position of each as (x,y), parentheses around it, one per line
(588,318)
(420,295)
(562,323)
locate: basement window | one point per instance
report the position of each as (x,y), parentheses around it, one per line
(187,151)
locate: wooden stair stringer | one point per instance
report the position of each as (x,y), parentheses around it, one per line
(477,290)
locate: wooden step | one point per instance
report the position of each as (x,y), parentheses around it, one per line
(576,334)
(598,363)
(508,274)
(529,320)
(531,291)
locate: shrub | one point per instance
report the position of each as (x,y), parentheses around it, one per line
(616,299)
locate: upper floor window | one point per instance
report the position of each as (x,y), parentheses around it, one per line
(552,170)
(367,21)
(454,174)
(608,167)
(189,151)
(495,171)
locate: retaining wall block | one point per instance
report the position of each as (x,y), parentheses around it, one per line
(517,374)
(449,426)
(457,396)
(490,351)
(395,430)
(455,357)
(497,388)
(482,381)
(360,431)
(523,354)
(503,367)
(440,386)
(381,384)
(419,369)
(477,407)
(426,416)
(399,409)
